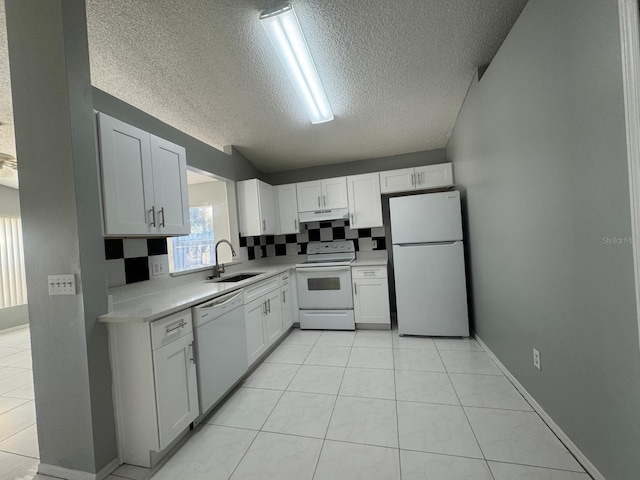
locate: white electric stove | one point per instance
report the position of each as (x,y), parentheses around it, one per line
(324,286)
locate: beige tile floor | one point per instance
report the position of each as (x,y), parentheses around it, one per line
(18,441)
(333,406)
(373,405)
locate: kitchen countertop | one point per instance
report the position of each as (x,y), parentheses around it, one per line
(146,306)
(370,259)
(155,305)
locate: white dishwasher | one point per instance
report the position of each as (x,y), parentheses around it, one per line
(221,347)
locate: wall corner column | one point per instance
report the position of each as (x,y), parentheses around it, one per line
(60,207)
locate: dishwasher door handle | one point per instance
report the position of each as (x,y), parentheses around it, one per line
(219,302)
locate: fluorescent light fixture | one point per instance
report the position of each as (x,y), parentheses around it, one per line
(283,29)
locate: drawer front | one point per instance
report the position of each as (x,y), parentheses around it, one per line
(369,272)
(285,278)
(259,289)
(170,328)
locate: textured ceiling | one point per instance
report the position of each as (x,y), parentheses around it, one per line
(395,73)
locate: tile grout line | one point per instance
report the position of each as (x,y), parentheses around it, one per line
(267,417)
(465,415)
(536,413)
(265,421)
(395,395)
(324,440)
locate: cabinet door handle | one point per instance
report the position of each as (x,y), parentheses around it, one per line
(269,305)
(264,306)
(352,219)
(191,356)
(413,179)
(318,201)
(264,225)
(324,200)
(173,329)
(295,224)
(161,212)
(355,288)
(153,216)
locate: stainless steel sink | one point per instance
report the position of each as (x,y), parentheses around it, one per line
(235,278)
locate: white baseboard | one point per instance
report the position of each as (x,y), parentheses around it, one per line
(582,459)
(108,469)
(68,474)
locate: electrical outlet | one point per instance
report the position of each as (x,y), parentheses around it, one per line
(374,244)
(157,268)
(62,284)
(536,359)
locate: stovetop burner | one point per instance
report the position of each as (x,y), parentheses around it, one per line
(340,252)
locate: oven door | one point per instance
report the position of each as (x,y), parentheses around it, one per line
(324,288)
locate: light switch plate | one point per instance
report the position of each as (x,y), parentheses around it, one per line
(63,284)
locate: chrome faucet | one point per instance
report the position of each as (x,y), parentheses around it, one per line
(219,268)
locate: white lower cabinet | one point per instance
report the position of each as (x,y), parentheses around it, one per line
(254,313)
(176,388)
(289,301)
(263,317)
(273,319)
(155,385)
(371,297)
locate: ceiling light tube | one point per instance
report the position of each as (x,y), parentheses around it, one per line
(283,29)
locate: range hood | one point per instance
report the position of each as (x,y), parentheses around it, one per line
(323,215)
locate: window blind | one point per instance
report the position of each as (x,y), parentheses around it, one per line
(13,287)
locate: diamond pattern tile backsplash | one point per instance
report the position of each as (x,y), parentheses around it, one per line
(130,260)
(365,239)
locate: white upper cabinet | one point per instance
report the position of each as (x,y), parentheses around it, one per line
(324,194)
(434,176)
(401,180)
(419,178)
(309,196)
(287,203)
(144,182)
(256,204)
(365,202)
(170,186)
(334,193)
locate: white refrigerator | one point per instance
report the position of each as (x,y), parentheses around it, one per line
(428,265)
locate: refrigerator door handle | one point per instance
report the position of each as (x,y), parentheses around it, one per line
(427,243)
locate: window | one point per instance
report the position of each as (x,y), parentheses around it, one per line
(210,201)
(196,249)
(13,288)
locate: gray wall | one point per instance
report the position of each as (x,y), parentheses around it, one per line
(60,207)
(9,202)
(539,149)
(199,155)
(428,157)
